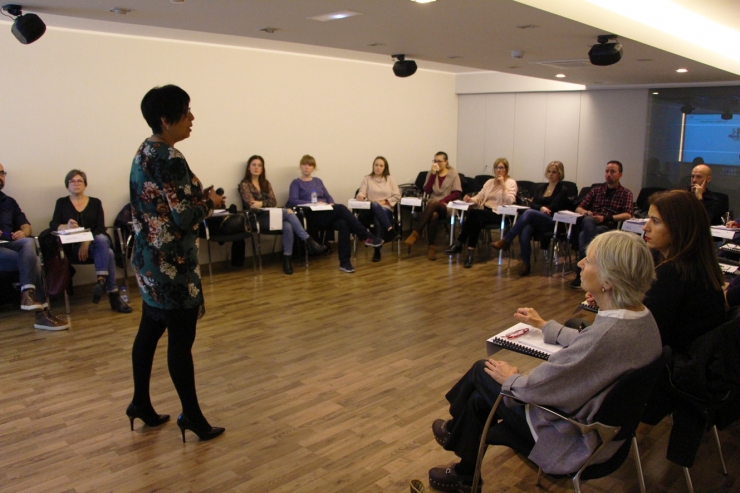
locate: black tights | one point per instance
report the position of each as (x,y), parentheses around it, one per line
(433,213)
(181,325)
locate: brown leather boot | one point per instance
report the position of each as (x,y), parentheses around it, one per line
(412,238)
(526,268)
(431,253)
(500,244)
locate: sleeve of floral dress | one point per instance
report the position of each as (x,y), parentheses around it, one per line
(184,193)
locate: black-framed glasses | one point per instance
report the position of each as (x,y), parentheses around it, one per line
(3,173)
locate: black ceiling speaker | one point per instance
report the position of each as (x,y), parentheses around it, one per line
(26,28)
(726,115)
(403,67)
(605,53)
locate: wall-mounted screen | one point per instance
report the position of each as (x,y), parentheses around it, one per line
(715,140)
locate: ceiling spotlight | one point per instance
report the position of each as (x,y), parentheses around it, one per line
(687,109)
(727,115)
(560,76)
(682,70)
(26,28)
(423,1)
(605,53)
(403,67)
(118,10)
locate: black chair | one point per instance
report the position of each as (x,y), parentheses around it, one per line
(582,195)
(420,181)
(707,379)
(616,420)
(481,180)
(571,189)
(205,233)
(641,204)
(468,185)
(525,191)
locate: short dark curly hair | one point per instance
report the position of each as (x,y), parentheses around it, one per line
(168,102)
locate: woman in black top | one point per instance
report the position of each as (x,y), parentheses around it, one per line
(80,211)
(549,198)
(686,300)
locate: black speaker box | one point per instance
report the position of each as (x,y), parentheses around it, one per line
(605,54)
(404,68)
(28,28)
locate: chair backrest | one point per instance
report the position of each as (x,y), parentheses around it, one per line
(581,196)
(481,180)
(644,195)
(625,402)
(420,181)
(468,184)
(571,189)
(525,185)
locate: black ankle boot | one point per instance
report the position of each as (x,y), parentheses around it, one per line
(456,248)
(469,259)
(287,266)
(376,254)
(313,247)
(117,304)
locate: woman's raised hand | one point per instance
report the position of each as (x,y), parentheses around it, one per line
(530,317)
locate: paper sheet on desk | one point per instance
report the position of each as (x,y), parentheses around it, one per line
(318,207)
(76,237)
(276,218)
(724,232)
(460,205)
(358,204)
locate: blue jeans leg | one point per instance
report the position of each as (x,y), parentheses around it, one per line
(295,223)
(105,261)
(529,222)
(287,237)
(21,255)
(382,218)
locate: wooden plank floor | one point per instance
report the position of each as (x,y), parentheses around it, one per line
(325,382)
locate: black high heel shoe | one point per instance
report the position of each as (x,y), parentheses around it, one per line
(149,419)
(204,431)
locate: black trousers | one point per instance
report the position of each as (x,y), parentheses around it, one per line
(471,400)
(344,222)
(475,219)
(181,326)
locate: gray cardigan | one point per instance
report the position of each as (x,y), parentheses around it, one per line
(576,379)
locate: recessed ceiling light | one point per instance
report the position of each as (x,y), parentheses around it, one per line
(118,10)
(560,76)
(423,1)
(682,70)
(342,14)
(656,93)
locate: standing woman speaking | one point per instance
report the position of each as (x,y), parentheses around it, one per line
(168,203)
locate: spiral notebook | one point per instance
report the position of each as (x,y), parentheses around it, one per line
(524,339)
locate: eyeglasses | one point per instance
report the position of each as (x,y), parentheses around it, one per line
(517,333)
(500,167)
(3,173)
(76,182)
(438,162)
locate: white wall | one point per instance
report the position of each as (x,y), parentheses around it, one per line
(583,129)
(71,100)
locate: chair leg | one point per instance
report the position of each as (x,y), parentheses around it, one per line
(539,476)
(576,484)
(210,269)
(254,257)
(66,301)
(688,479)
(719,449)
(638,464)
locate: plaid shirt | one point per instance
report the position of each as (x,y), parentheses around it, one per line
(597,202)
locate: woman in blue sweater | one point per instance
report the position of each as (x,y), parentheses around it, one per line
(339,218)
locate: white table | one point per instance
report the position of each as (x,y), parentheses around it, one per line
(457,205)
(503,211)
(634,226)
(566,217)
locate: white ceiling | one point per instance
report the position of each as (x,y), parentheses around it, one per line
(480,34)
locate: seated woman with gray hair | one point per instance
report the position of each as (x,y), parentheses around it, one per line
(618,269)
(80,211)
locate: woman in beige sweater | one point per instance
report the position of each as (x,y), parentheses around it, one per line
(381,190)
(497,191)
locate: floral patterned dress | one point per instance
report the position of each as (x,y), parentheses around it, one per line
(168,206)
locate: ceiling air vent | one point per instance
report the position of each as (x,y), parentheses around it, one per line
(577,63)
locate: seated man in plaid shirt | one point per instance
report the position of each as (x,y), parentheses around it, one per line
(602,209)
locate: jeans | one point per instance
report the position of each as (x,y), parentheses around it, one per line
(382,218)
(102,256)
(343,221)
(526,224)
(291,224)
(475,219)
(20,255)
(180,324)
(471,400)
(589,231)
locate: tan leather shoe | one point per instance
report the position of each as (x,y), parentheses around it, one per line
(411,240)
(500,244)
(432,253)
